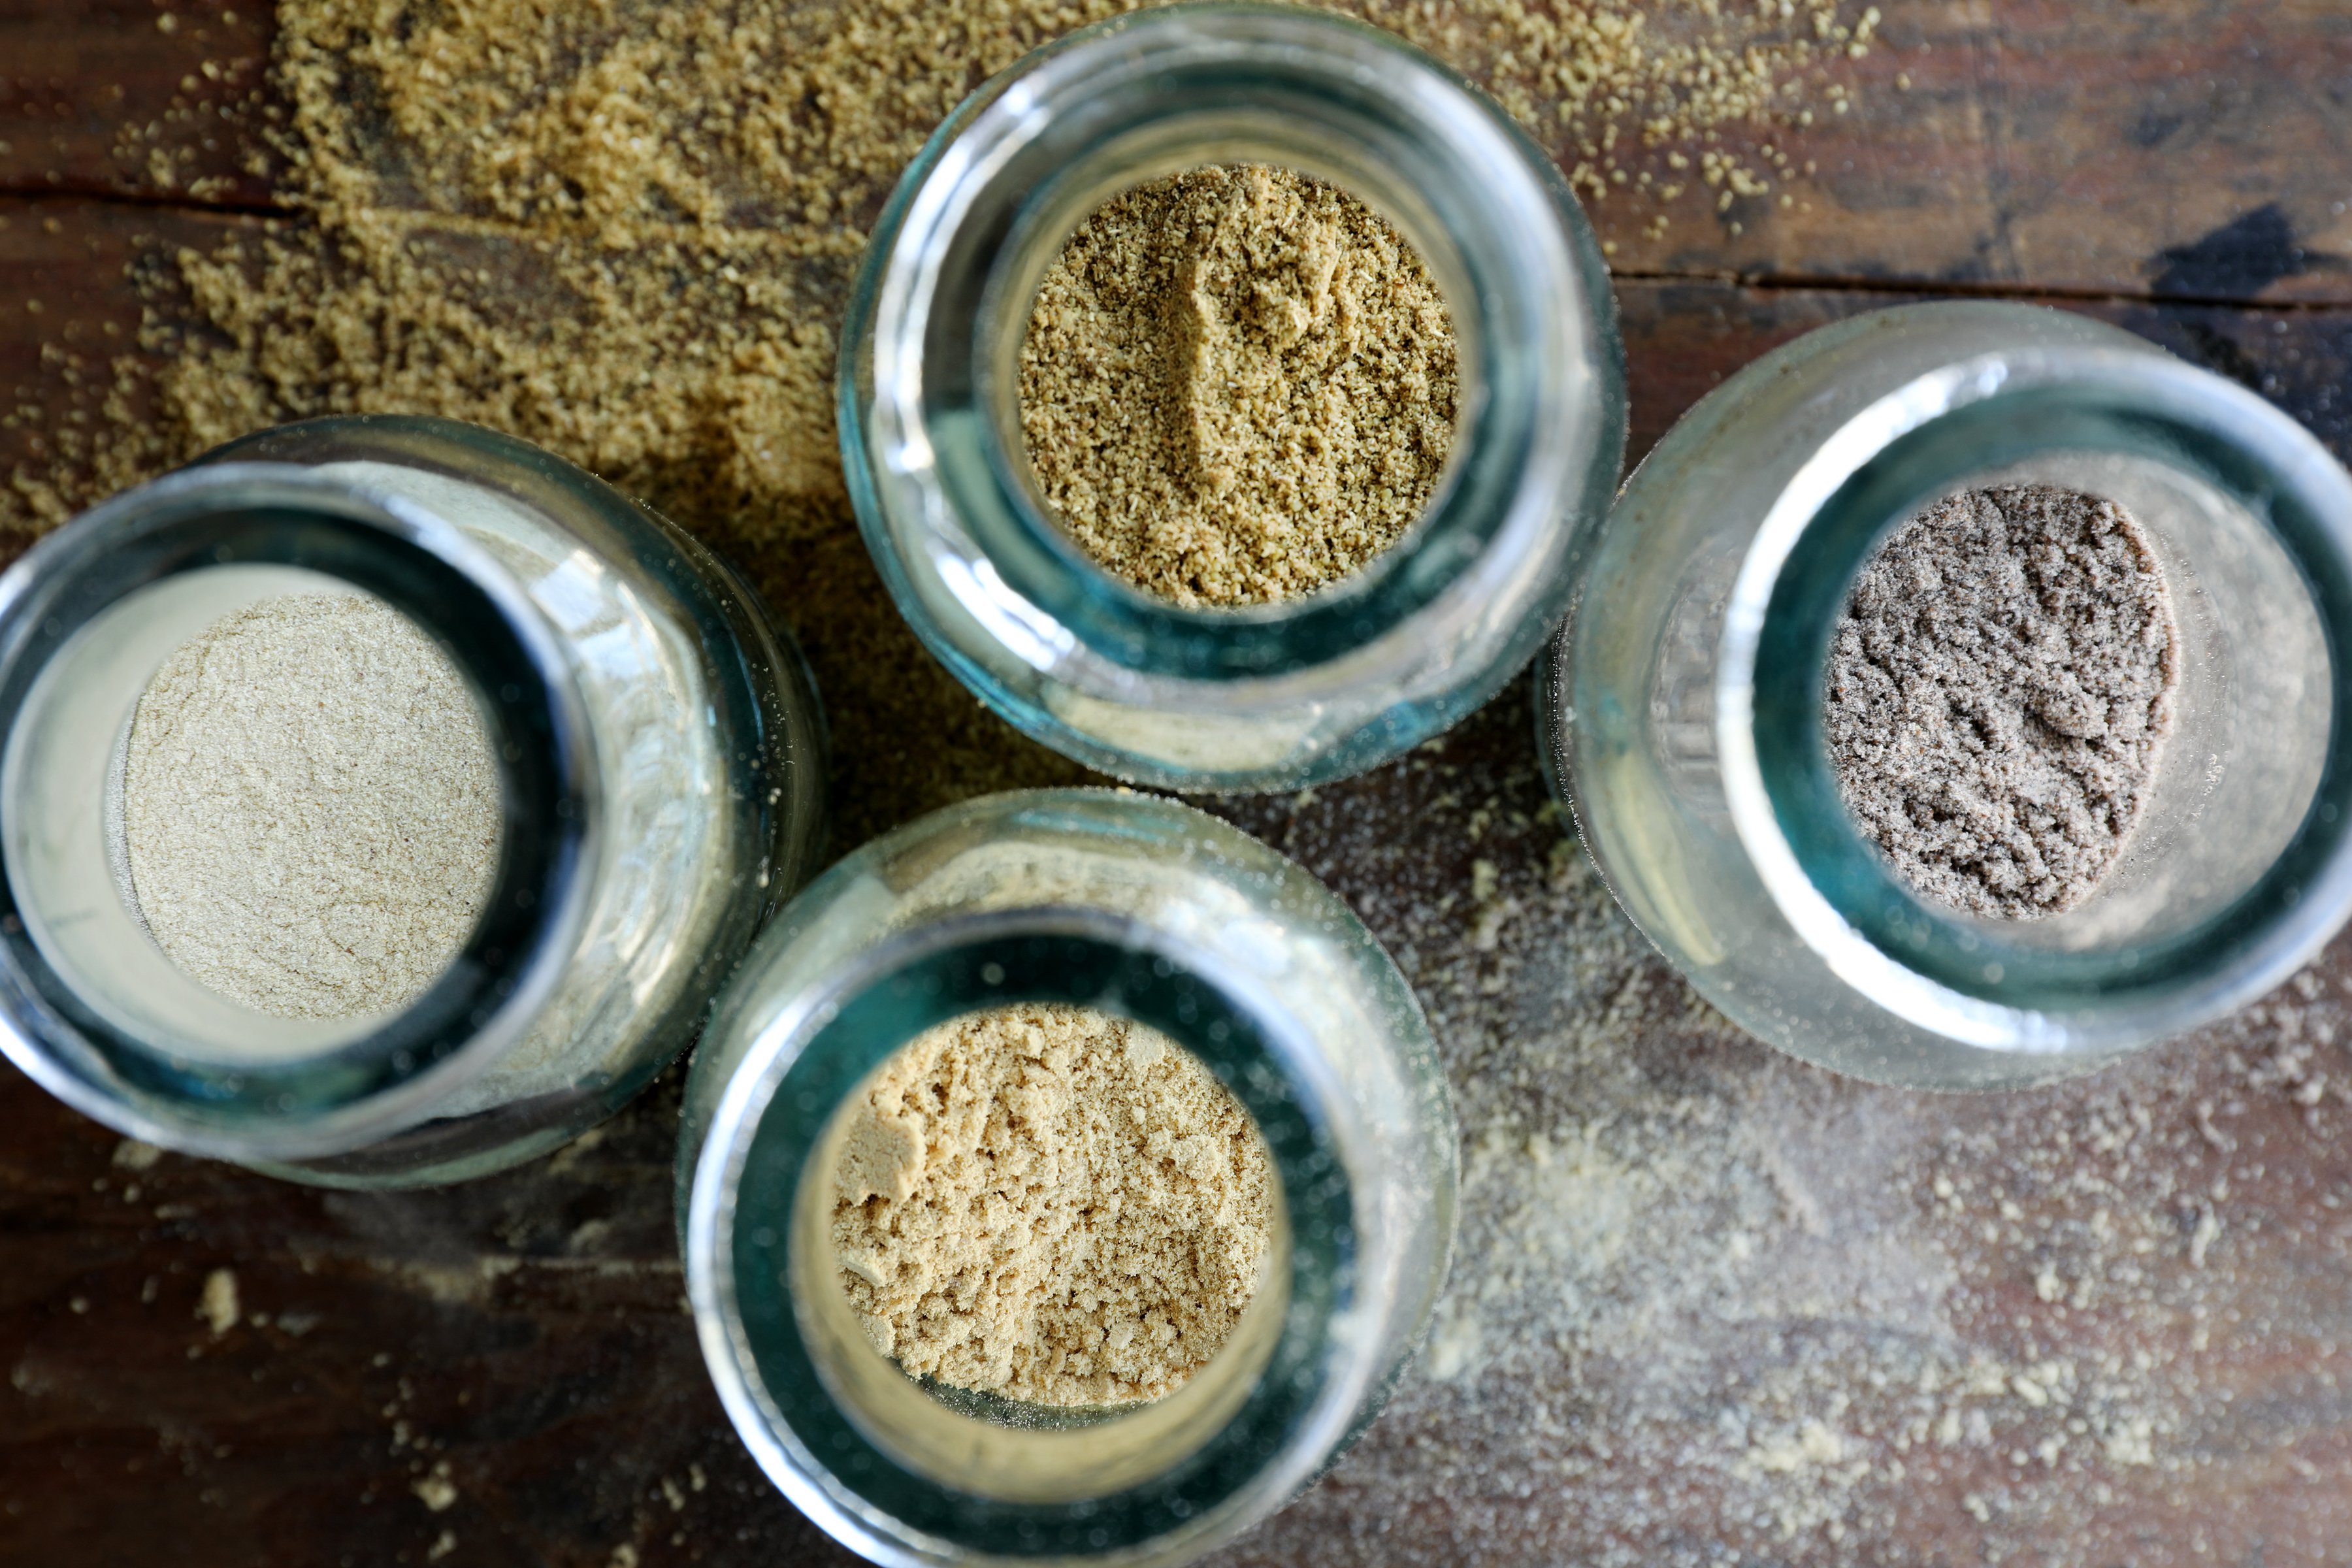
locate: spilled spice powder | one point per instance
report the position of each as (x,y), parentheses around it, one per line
(1998,688)
(1051,1204)
(625,232)
(1238,385)
(1710,1304)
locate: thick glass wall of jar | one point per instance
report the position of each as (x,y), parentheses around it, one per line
(382,799)
(1065,1175)
(1957,693)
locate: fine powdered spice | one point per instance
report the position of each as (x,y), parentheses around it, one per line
(1998,688)
(1238,385)
(311,812)
(1050,1204)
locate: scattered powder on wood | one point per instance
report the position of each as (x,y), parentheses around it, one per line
(626,231)
(1711,1305)
(1998,689)
(1238,385)
(1051,1204)
(310,810)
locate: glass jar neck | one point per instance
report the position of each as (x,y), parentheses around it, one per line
(2239,867)
(93,1009)
(904,1473)
(984,210)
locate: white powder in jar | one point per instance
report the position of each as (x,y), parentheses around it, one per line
(311,808)
(662,863)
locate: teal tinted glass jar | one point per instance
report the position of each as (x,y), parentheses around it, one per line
(1134,906)
(661,781)
(1681,708)
(1277,696)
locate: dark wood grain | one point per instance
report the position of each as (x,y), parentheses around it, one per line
(146,100)
(516,1350)
(2182,149)
(2188,149)
(71,312)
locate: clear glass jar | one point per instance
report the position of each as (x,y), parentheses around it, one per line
(662,779)
(1267,698)
(1134,905)
(1682,707)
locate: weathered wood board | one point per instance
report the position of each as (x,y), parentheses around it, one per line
(1709,1306)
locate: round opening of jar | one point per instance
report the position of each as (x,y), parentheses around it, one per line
(2080,701)
(303,810)
(1040,1242)
(2045,703)
(284,810)
(1237,372)
(1237,386)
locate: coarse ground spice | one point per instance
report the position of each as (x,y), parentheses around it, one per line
(1051,1204)
(1998,689)
(1237,386)
(626,231)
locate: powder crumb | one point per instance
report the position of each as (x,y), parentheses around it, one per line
(132,1154)
(217,1306)
(437,1491)
(1238,385)
(1998,689)
(1051,1204)
(310,810)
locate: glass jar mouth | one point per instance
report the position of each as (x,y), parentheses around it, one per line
(176,1064)
(1248,1449)
(942,302)
(2032,987)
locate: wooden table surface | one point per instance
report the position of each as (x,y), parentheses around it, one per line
(1709,1306)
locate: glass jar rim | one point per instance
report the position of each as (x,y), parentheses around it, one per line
(1537,421)
(1930,965)
(354,1092)
(819,1045)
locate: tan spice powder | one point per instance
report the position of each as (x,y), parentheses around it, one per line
(1238,385)
(1051,1204)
